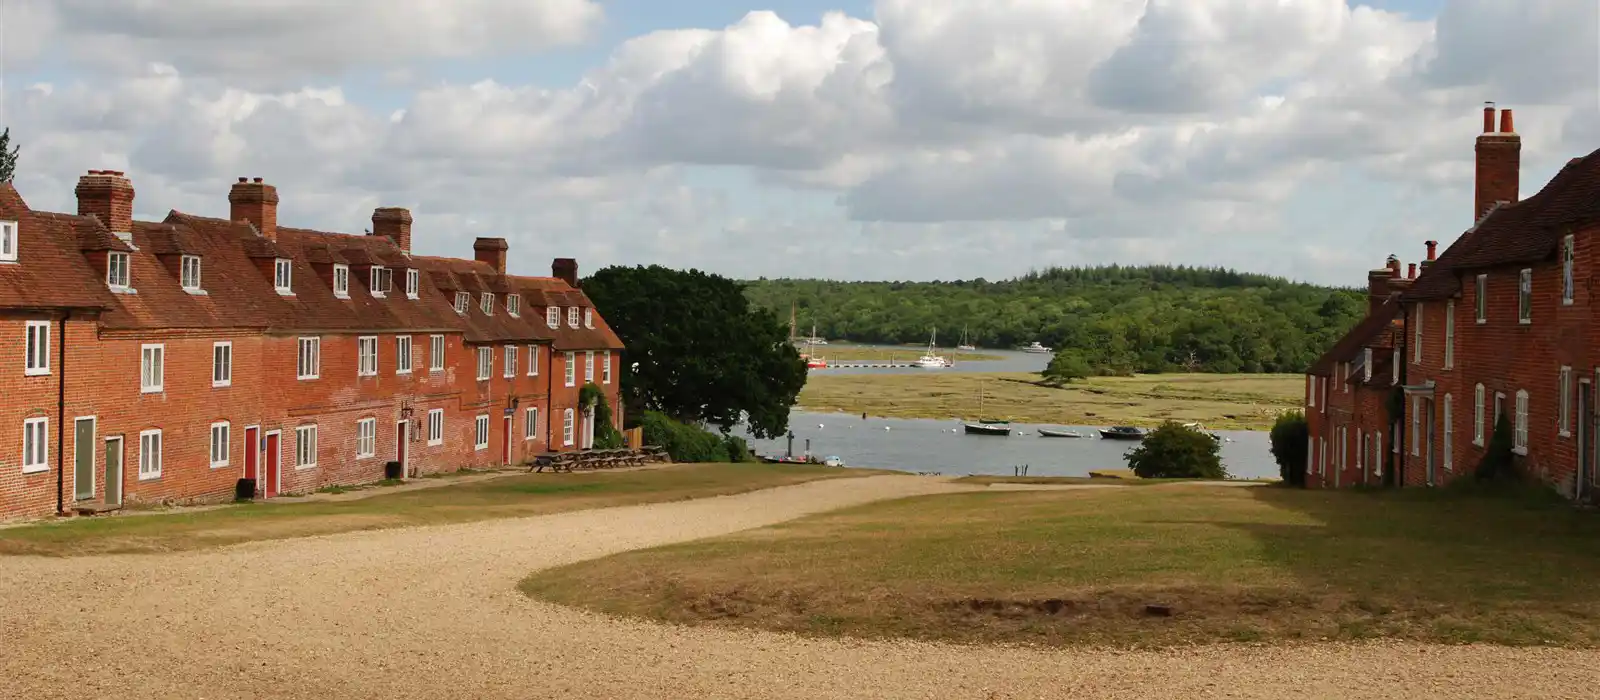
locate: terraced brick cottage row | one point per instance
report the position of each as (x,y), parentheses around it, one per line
(1500,323)
(164,361)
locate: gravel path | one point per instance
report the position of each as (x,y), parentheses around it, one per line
(433,613)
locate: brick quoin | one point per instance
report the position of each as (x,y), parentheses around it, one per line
(1502,354)
(95,367)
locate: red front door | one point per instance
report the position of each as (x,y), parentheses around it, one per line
(252,453)
(269,487)
(505,452)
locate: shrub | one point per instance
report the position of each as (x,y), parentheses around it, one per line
(1175,451)
(1290,437)
(738,450)
(606,436)
(689,443)
(1499,463)
(1065,367)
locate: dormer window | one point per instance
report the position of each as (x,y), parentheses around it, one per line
(189,273)
(378,280)
(413,283)
(552,316)
(588,317)
(514,304)
(117,271)
(462,299)
(341,281)
(8,241)
(282,276)
(487,304)
(572,316)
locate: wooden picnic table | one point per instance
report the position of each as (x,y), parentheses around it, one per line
(595,459)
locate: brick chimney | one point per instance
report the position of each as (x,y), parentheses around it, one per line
(108,195)
(1499,162)
(492,251)
(256,202)
(566,270)
(1377,288)
(394,222)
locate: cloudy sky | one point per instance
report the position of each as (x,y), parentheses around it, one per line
(896,139)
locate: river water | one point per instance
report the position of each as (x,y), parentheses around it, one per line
(918,445)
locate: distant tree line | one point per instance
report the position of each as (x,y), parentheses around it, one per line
(1113,319)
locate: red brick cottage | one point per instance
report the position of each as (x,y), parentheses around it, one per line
(165,361)
(1499,324)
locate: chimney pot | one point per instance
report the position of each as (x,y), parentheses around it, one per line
(257,179)
(1411,271)
(244,179)
(1432,247)
(1505,122)
(1488,117)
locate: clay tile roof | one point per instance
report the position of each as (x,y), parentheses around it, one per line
(444,280)
(263,248)
(168,239)
(1365,332)
(50,271)
(1525,232)
(321,254)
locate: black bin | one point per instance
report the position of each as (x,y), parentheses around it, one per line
(244,490)
(391,470)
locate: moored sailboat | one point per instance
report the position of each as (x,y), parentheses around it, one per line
(986,427)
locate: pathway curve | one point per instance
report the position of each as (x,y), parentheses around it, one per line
(434,613)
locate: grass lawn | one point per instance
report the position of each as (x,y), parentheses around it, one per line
(1218,401)
(908,353)
(1078,567)
(507,497)
(1106,477)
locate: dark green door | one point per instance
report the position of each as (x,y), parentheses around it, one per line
(83,458)
(114,471)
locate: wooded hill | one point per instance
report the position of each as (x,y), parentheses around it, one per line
(1120,319)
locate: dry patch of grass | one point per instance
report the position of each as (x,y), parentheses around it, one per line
(864,353)
(1219,401)
(1080,567)
(512,496)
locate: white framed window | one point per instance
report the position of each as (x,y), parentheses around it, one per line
(1311,390)
(219,444)
(341,281)
(1394,368)
(567,425)
(282,276)
(37,348)
(605,374)
(588,317)
(1564,395)
(366,438)
(152,367)
(436,426)
(572,316)
(8,241)
(1525,296)
(1416,427)
(1362,440)
(1450,335)
(35,445)
(514,305)
(310,364)
(1311,456)
(485,362)
(480,433)
(413,283)
(435,353)
(402,354)
(1477,415)
(305,447)
(530,424)
(222,363)
(1447,447)
(1416,342)
(378,280)
(1377,453)
(1366,364)
(117,276)
(1481,297)
(1568,289)
(1344,376)
(533,360)
(588,365)
(462,299)
(572,369)
(368,348)
(1522,422)
(150,454)
(1324,383)
(1499,408)
(510,361)
(552,316)
(486,304)
(1398,438)
(189,273)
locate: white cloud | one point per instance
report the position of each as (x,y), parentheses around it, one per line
(938,138)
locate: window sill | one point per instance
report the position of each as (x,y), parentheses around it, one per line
(283,293)
(405,372)
(124,290)
(1523,451)
(412,297)
(435,443)
(196,292)
(222,385)
(1564,433)
(150,477)
(1566,302)
(215,465)
(307,379)
(341,295)
(379,295)
(479,448)
(360,457)
(1482,321)
(36,470)
(303,467)
(1477,443)
(36,373)
(156,390)
(1525,322)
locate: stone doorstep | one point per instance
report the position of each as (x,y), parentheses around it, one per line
(84,508)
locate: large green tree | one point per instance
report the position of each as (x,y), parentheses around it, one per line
(703,352)
(8,156)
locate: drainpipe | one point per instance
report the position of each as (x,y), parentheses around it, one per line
(550,399)
(61,418)
(1405,403)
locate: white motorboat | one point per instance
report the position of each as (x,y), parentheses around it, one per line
(931,359)
(1037,348)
